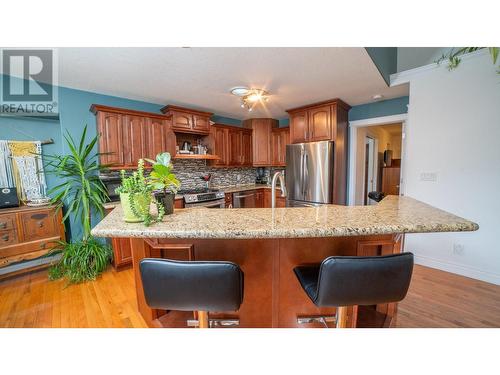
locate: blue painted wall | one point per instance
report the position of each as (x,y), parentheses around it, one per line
(377,109)
(226,120)
(385,59)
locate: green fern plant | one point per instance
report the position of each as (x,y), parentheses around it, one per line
(137,185)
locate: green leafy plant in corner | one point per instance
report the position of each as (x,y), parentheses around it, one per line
(454,56)
(82,192)
(162,177)
(137,185)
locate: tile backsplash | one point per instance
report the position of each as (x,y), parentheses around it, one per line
(190,171)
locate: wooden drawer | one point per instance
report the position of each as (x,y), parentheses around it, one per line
(37,225)
(7,221)
(8,237)
(28,247)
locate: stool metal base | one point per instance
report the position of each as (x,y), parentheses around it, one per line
(317,319)
(215,323)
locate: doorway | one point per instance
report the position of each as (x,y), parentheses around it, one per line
(376,158)
(370,168)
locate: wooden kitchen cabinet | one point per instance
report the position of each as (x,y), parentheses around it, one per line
(125,136)
(109,129)
(186,120)
(219,144)
(267,199)
(325,121)
(134,139)
(232,145)
(299,130)
(280,137)
(159,137)
(261,142)
(320,125)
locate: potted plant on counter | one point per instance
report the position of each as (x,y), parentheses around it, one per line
(164,181)
(135,196)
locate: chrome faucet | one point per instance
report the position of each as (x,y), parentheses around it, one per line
(273,187)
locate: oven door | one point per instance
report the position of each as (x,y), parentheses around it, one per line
(219,203)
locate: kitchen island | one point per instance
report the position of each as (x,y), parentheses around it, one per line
(269,243)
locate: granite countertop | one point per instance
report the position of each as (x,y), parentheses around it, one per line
(394,214)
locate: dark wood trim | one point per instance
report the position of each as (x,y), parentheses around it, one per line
(94,108)
(339,102)
(169,107)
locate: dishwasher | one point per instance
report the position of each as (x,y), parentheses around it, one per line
(245,199)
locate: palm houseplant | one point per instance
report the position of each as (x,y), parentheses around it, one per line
(164,182)
(82,193)
(136,191)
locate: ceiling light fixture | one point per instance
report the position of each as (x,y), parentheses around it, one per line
(250,97)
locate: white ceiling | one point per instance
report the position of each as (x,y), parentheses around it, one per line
(202,77)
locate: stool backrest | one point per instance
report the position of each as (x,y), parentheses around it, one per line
(348,281)
(192,286)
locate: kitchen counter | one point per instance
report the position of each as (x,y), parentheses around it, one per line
(268,243)
(392,215)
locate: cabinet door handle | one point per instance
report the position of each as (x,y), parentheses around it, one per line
(3,225)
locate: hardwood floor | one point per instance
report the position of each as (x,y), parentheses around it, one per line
(435,299)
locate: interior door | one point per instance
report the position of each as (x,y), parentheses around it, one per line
(318,172)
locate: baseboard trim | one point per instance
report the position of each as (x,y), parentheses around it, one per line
(458,269)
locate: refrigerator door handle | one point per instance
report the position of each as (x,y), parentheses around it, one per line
(306,175)
(302,176)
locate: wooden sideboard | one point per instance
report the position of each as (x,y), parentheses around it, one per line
(28,233)
(325,121)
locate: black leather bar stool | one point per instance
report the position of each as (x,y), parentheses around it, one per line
(343,281)
(192,286)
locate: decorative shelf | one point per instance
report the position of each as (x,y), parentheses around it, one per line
(196,156)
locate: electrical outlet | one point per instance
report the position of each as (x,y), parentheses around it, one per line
(458,249)
(428,176)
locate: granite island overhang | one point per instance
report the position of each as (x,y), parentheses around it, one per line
(268,243)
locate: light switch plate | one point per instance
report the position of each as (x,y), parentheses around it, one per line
(428,176)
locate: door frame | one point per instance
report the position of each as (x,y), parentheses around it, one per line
(353,134)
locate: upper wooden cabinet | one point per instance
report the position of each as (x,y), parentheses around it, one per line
(125,136)
(299,131)
(280,137)
(316,122)
(186,120)
(325,121)
(232,145)
(261,143)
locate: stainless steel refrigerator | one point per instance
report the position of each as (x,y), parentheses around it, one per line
(309,173)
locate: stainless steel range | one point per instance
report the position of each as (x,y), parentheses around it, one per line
(210,198)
